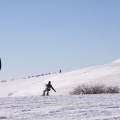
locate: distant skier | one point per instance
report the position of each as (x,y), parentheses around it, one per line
(48,88)
(60,71)
(0,64)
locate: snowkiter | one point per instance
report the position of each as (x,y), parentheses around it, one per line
(48,88)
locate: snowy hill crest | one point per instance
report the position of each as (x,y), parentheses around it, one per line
(116,61)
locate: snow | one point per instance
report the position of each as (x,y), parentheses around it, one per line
(82,107)
(108,74)
(22,100)
(116,61)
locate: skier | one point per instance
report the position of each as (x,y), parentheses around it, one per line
(48,88)
(0,64)
(60,71)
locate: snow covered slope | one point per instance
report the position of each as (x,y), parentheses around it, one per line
(117,61)
(108,74)
(80,107)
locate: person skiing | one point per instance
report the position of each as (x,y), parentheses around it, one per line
(48,88)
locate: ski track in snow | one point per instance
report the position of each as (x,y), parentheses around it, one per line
(81,107)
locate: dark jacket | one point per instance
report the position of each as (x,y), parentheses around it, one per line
(49,86)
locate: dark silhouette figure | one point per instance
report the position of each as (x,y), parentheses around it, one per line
(60,71)
(0,64)
(48,88)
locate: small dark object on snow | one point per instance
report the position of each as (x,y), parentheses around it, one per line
(48,88)
(60,71)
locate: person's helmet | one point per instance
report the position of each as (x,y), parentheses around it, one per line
(49,82)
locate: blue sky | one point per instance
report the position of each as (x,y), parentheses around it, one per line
(42,36)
